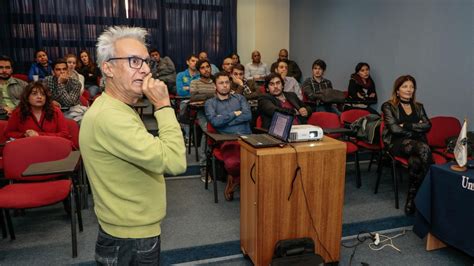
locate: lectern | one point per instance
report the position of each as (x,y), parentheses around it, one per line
(314,208)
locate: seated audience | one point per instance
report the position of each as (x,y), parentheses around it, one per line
(239,84)
(91,72)
(41,68)
(291,85)
(276,100)
(65,90)
(406,124)
(201,90)
(256,70)
(71,61)
(235,58)
(36,115)
(227,65)
(229,114)
(163,68)
(10,87)
(184,78)
(293,68)
(203,56)
(361,88)
(313,86)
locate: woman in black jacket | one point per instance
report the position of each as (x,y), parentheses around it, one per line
(406,124)
(362,89)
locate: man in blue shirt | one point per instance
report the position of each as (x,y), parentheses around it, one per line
(229,114)
(184,78)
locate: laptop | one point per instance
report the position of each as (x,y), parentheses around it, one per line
(278,132)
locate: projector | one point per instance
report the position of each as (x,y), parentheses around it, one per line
(305,133)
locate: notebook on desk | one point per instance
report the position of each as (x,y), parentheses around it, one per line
(278,132)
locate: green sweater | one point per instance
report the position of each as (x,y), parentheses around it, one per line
(125,165)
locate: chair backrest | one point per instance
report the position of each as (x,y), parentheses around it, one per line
(20,153)
(325,120)
(382,126)
(21,76)
(349,116)
(3,126)
(442,127)
(258,122)
(73,128)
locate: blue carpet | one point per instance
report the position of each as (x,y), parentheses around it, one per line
(182,255)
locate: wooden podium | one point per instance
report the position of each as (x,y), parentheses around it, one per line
(267,216)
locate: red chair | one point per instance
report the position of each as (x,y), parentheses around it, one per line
(442,127)
(23,77)
(331,120)
(222,152)
(395,162)
(73,128)
(44,190)
(350,116)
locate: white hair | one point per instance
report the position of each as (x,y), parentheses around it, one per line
(106,41)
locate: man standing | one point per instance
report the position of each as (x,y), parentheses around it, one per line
(276,100)
(125,163)
(293,68)
(65,90)
(256,70)
(229,114)
(10,88)
(164,69)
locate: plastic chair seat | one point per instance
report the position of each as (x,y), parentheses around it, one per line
(368,146)
(33,195)
(351,147)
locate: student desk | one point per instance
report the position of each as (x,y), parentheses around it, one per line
(266,214)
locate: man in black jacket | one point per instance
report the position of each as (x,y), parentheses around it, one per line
(284,102)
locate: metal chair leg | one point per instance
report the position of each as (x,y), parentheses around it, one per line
(372,155)
(358,180)
(2,224)
(73,222)
(395,182)
(9,224)
(215,179)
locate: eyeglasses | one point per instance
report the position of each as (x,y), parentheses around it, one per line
(133,61)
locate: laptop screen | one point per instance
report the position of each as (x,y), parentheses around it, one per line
(281,126)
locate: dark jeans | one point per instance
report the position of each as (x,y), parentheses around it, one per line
(111,250)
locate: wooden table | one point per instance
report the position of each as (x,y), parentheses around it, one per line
(266,214)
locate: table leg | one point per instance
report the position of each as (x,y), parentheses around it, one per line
(433,243)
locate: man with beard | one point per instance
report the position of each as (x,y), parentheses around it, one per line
(201,90)
(276,100)
(229,114)
(10,88)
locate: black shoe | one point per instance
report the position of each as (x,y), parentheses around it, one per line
(410,204)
